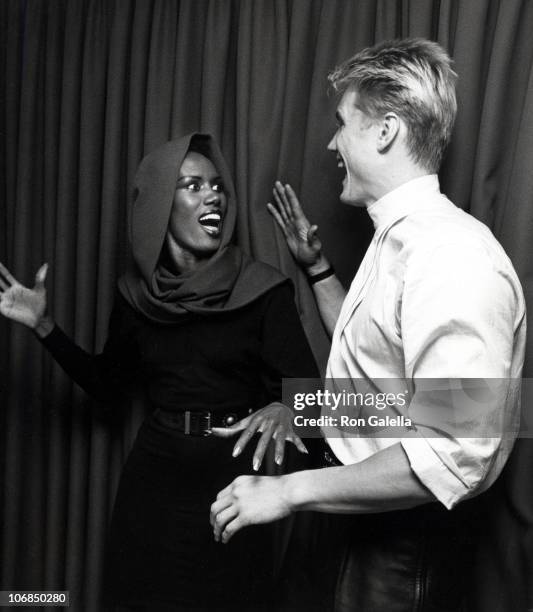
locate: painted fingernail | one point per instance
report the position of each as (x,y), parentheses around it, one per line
(257,463)
(278,459)
(236,451)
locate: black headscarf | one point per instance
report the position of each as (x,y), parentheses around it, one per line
(228,281)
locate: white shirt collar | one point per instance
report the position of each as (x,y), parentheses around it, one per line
(413,195)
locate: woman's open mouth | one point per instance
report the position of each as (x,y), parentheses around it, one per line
(212,223)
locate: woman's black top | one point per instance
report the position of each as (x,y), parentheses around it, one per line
(231,361)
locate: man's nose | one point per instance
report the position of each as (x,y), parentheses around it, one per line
(332,145)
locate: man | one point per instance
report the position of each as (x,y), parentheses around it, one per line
(435,297)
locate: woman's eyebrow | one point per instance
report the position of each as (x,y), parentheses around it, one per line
(195,176)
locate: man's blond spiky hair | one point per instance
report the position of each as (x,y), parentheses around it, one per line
(412,77)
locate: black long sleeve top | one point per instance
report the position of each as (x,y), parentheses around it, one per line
(226,362)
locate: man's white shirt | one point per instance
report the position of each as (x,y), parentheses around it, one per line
(435,297)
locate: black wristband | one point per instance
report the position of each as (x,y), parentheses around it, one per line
(316,278)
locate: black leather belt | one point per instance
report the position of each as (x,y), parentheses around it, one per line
(196,423)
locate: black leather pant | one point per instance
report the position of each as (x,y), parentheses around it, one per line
(415,560)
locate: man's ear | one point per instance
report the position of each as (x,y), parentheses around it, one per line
(389,128)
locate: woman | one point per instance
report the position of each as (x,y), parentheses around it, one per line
(207,334)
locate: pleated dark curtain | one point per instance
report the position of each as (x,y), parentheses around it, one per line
(89,87)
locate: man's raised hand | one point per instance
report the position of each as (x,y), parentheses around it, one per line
(300,235)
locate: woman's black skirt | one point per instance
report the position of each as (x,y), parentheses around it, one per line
(161,548)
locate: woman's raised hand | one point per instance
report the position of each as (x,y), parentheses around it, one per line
(20,303)
(300,235)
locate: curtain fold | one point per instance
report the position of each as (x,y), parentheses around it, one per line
(91,86)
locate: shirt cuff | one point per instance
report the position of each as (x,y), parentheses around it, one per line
(433,473)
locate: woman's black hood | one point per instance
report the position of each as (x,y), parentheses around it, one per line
(154,189)
(227,281)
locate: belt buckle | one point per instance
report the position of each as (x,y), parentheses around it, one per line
(202,423)
(330,459)
(207,416)
(187,423)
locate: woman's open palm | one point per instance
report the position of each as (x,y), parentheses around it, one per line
(20,303)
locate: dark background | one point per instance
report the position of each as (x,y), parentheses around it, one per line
(89,87)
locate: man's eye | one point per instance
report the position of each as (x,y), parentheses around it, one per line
(193,187)
(218,187)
